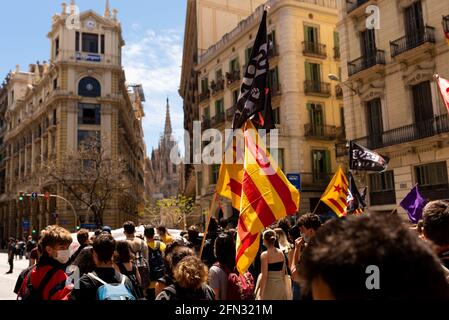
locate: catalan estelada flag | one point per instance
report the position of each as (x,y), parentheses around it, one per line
(266,197)
(336,194)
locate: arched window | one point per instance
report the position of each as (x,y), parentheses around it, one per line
(89,87)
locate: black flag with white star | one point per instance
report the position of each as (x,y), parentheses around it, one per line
(255,95)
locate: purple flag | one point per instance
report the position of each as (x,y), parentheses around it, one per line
(414,204)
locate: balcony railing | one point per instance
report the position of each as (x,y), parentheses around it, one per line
(204,96)
(413,40)
(351,5)
(412,132)
(435,192)
(217,86)
(337,53)
(338,92)
(323,132)
(366,62)
(218,119)
(232,77)
(230,113)
(322,88)
(314,48)
(382,198)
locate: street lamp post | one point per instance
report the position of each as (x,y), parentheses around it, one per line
(334,77)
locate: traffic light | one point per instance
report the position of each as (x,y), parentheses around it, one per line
(78,228)
(34,231)
(21,196)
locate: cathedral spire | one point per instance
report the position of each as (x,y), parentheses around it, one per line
(107,10)
(168,129)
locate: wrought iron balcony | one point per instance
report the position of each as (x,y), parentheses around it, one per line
(232,77)
(337,53)
(217,86)
(412,132)
(218,119)
(315,87)
(413,40)
(366,62)
(314,49)
(351,5)
(322,132)
(204,96)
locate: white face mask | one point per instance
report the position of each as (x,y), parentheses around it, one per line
(63,256)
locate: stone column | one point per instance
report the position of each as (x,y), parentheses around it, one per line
(33,151)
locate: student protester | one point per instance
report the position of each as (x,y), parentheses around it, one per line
(83,239)
(174,253)
(48,280)
(208,256)
(137,245)
(273,282)
(156,262)
(34,257)
(126,266)
(193,239)
(218,273)
(190,276)
(94,285)
(371,257)
(30,245)
(83,257)
(164,235)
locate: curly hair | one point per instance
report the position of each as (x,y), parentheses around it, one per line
(190,273)
(53,236)
(436,222)
(309,221)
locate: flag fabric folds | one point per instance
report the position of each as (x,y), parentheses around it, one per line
(266,197)
(336,194)
(361,158)
(414,204)
(443,86)
(355,201)
(254,97)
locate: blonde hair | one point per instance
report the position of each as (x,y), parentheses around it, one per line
(284,245)
(190,273)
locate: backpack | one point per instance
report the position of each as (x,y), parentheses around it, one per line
(156,261)
(109,291)
(143,267)
(240,287)
(132,277)
(29,292)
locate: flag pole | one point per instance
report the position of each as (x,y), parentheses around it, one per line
(209,216)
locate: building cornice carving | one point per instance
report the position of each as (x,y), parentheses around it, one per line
(418,73)
(372,90)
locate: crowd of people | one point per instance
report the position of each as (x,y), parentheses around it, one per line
(304,261)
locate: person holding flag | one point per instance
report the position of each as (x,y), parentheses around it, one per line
(258,188)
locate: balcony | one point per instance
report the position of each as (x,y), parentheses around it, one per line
(232,77)
(366,62)
(435,192)
(382,198)
(206,124)
(230,113)
(337,53)
(217,86)
(412,132)
(352,5)
(338,92)
(204,96)
(322,89)
(314,49)
(412,41)
(218,119)
(320,132)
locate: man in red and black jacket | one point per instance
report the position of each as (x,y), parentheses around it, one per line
(48,280)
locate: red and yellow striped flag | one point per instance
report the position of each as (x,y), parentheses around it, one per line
(336,194)
(266,197)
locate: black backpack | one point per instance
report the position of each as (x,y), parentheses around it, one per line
(29,293)
(156,262)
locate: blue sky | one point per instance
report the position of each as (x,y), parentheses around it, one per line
(153,32)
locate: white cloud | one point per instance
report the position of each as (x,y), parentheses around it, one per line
(155,61)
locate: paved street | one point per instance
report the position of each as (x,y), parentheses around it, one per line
(7,281)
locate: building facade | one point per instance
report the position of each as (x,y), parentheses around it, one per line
(304,50)
(394,106)
(206,22)
(53,107)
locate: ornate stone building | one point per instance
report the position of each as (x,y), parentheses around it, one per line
(164,175)
(394,107)
(304,50)
(53,107)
